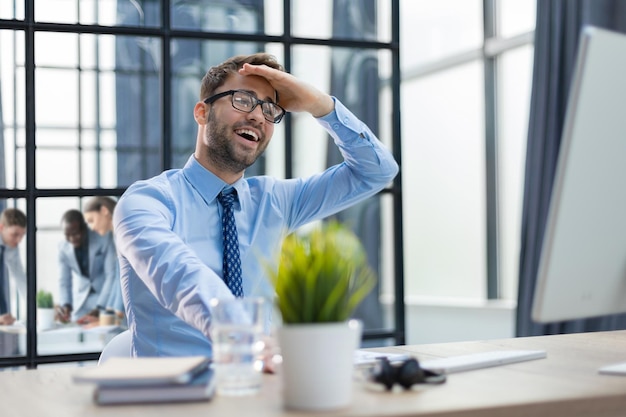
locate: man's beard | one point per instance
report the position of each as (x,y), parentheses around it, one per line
(223,152)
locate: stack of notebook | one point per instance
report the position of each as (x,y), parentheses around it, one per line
(149,380)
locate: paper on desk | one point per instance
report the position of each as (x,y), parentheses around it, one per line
(365,357)
(122,371)
(16,327)
(104,329)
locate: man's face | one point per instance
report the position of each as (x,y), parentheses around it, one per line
(233,139)
(12,235)
(73,233)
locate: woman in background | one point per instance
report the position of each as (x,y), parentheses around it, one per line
(98,214)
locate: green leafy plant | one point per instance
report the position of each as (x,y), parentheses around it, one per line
(44,299)
(322,276)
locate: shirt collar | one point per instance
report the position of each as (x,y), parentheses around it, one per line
(210,185)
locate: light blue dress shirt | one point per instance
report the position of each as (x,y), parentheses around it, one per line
(13,268)
(168,234)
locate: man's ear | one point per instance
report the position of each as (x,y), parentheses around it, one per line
(200,113)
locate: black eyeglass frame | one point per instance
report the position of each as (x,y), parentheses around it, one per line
(255,101)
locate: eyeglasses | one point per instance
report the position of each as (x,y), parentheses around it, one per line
(247,102)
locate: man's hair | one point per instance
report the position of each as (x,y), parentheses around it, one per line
(74,216)
(217,75)
(96,203)
(13,217)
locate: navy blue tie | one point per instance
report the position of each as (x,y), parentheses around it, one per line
(231,263)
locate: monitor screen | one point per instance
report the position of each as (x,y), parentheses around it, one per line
(582,269)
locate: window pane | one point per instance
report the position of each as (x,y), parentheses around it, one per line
(50,237)
(325,19)
(386,270)
(58,168)
(355,77)
(12,111)
(243,16)
(116,100)
(12,9)
(515,76)
(366,221)
(444,184)
(56,86)
(432,30)
(145,13)
(515,17)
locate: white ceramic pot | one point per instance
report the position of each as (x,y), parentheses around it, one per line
(318,364)
(45,318)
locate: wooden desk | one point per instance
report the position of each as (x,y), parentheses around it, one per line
(565,384)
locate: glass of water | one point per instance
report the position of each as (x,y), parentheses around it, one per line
(237,329)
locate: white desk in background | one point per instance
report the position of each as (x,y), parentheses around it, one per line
(566,383)
(63,339)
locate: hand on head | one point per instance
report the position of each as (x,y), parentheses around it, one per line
(293,95)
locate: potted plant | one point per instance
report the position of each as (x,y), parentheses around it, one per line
(320,280)
(45,310)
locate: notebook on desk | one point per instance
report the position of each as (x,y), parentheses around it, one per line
(200,388)
(126,372)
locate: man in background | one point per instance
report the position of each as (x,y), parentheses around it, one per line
(12,231)
(87,266)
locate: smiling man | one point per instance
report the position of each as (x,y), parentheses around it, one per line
(172,230)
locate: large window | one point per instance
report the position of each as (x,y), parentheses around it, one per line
(96,94)
(465,91)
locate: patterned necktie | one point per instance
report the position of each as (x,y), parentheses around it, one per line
(231,262)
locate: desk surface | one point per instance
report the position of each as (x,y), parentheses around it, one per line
(565,383)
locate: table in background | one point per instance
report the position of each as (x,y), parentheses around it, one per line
(63,339)
(566,383)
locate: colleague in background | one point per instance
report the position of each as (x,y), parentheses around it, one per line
(87,265)
(168,229)
(98,213)
(12,231)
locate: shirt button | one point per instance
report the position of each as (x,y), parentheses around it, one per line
(336,126)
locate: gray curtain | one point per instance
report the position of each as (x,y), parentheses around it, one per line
(559,23)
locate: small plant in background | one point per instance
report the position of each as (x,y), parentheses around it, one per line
(44,299)
(322,276)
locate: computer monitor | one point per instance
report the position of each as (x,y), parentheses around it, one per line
(582,271)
